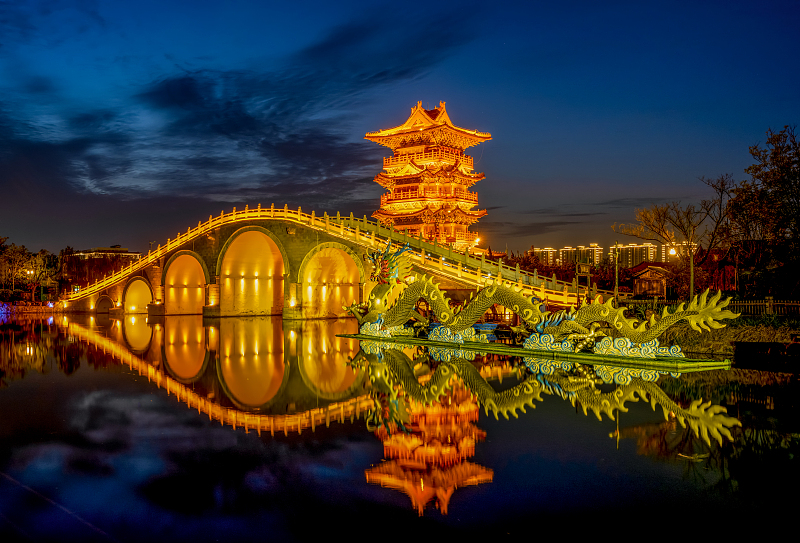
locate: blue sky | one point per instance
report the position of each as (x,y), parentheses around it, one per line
(126,122)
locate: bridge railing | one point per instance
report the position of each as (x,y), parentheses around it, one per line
(748,308)
(431,255)
(462,264)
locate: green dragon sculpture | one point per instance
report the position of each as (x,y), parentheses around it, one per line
(567,330)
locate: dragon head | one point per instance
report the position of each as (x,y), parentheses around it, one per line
(386,263)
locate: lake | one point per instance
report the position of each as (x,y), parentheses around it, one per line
(254,429)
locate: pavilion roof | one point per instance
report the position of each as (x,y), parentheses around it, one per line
(428,214)
(445,173)
(433,125)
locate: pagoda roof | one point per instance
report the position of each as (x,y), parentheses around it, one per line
(443,174)
(428,122)
(449,215)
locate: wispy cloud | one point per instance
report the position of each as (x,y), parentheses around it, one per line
(227,136)
(629,203)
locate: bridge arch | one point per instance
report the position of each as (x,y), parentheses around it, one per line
(251,268)
(103,304)
(331,273)
(136,295)
(184,280)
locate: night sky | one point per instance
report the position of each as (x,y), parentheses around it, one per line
(127,122)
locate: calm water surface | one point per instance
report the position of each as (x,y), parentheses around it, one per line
(253,430)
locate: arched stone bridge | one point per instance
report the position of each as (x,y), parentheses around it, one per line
(278,261)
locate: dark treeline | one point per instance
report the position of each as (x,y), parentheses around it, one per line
(42,276)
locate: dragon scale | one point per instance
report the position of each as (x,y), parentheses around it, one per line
(461,318)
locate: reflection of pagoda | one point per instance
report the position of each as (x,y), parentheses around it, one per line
(429,176)
(430,462)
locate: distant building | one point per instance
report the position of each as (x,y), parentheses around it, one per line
(547,255)
(633,254)
(115,251)
(566,255)
(649,280)
(593,254)
(81,268)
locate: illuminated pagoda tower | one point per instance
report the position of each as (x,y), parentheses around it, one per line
(429,176)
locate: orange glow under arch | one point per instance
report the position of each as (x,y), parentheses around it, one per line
(251,276)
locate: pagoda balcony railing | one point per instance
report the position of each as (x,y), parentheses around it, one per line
(471,197)
(429,156)
(459,238)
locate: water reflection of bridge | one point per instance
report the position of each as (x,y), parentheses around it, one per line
(259,373)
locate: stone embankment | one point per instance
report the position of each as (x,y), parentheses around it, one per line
(722,341)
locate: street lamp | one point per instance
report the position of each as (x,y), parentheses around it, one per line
(616,273)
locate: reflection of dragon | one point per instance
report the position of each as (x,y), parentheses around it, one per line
(705,419)
(571,330)
(395,384)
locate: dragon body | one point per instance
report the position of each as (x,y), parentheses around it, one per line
(701,313)
(461,317)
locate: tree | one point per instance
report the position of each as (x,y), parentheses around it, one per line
(765,215)
(776,174)
(696,225)
(41,266)
(14,259)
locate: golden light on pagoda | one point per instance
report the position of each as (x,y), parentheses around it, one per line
(429,176)
(430,462)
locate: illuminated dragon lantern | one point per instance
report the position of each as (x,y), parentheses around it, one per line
(566,330)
